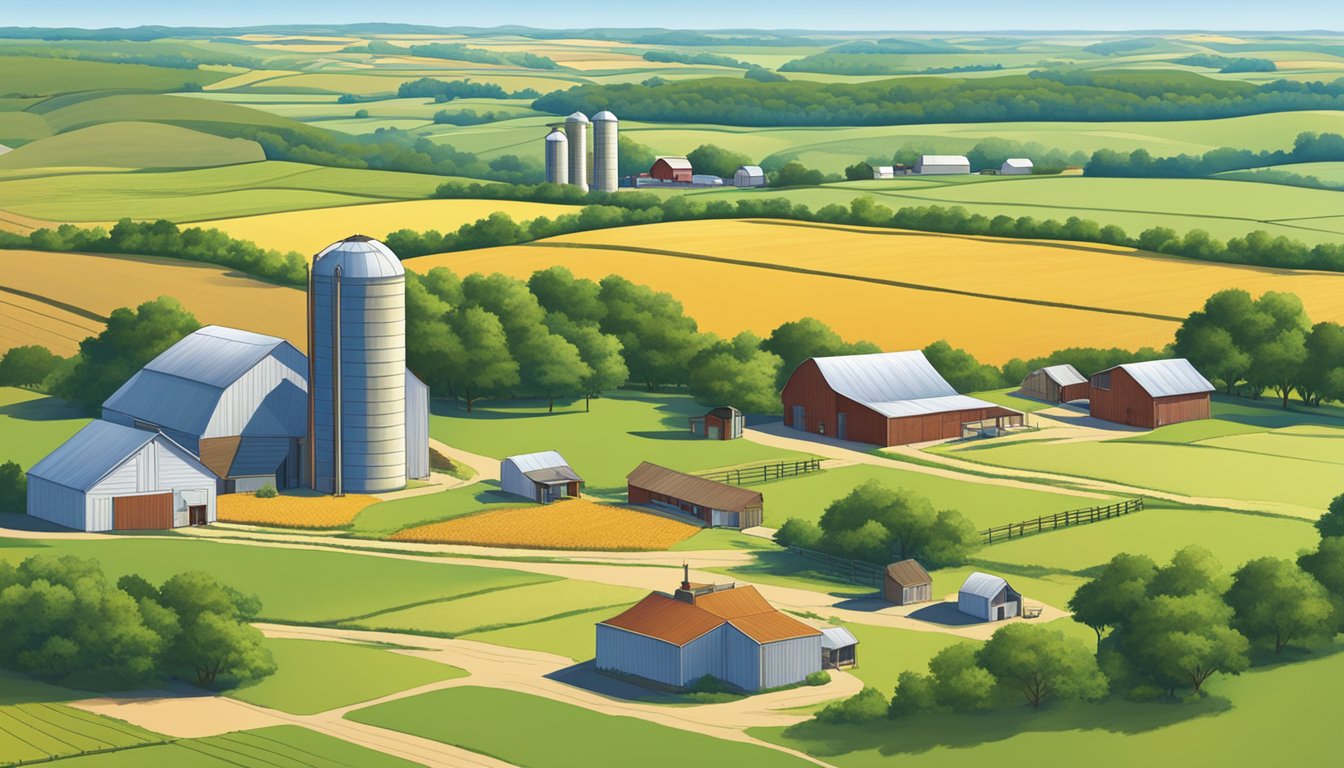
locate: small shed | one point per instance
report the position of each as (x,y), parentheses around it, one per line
(942,165)
(676,169)
(542,477)
(907,583)
(718,505)
(839,648)
(1055,384)
(1016,166)
(1151,394)
(884,172)
(722,423)
(749,176)
(988,598)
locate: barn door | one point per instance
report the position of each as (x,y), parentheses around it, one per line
(150,512)
(799,418)
(842,426)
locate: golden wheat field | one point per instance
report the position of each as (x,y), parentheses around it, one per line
(100,284)
(287,511)
(1020,284)
(567,524)
(24,320)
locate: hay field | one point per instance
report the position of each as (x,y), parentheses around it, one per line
(24,320)
(288,511)
(567,524)
(133,145)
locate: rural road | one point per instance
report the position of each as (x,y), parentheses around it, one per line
(485,467)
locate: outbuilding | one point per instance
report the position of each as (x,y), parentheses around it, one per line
(839,648)
(542,477)
(988,598)
(1016,166)
(109,477)
(884,172)
(1055,384)
(906,583)
(887,398)
(717,505)
(1150,394)
(749,176)
(722,423)
(677,169)
(942,165)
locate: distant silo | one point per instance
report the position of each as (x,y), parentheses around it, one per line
(357,368)
(557,157)
(604,152)
(576,129)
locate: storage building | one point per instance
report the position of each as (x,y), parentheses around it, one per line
(542,477)
(839,648)
(716,504)
(1151,394)
(884,172)
(417,427)
(988,598)
(942,165)
(1016,166)
(907,583)
(749,176)
(730,633)
(722,423)
(112,477)
(676,169)
(889,398)
(1055,384)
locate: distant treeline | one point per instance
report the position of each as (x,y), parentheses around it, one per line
(1308,147)
(457,52)
(849,64)
(447,90)
(705,59)
(1042,95)
(464,117)
(1228,64)
(132,53)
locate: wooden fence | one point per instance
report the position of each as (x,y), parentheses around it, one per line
(853,571)
(762,473)
(1061,520)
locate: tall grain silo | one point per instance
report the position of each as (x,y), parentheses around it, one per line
(604,152)
(576,130)
(357,368)
(557,157)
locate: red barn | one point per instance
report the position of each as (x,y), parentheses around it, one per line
(672,169)
(891,398)
(1151,394)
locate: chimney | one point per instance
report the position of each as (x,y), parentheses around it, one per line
(685,576)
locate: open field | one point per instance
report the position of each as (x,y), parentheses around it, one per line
(388,517)
(314,676)
(132,145)
(33,425)
(26,320)
(560,734)
(44,76)
(571,635)
(567,524)
(34,725)
(283,746)
(1328,172)
(291,510)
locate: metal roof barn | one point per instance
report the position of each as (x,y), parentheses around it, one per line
(749,176)
(716,504)
(542,477)
(1015,166)
(1165,378)
(942,164)
(1150,394)
(988,598)
(1055,384)
(906,583)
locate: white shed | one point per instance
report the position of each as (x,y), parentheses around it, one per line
(884,172)
(749,176)
(988,598)
(111,477)
(1016,166)
(942,165)
(542,477)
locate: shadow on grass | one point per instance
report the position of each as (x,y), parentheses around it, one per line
(42,409)
(585,676)
(16,522)
(664,435)
(945,615)
(787,565)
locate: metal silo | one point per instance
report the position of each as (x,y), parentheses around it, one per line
(604,152)
(576,130)
(557,157)
(357,368)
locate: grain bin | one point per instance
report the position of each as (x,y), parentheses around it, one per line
(604,152)
(576,130)
(357,368)
(557,157)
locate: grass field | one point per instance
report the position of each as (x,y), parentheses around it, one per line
(292,510)
(388,517)
(132,145)
(283,746)
(571,635)
(35,725)
(33,425)
(39,76)
(567,524)
(314,676)
(561,735)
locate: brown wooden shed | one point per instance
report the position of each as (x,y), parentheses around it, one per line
(1055,384)
(1150,394)
(906,583)
(719,505)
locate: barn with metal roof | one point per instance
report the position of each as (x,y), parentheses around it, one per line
(1150,394)
(988,598)
(727,632)
(942,165)
(542,477)
(112,477)
(1055,384)
(718,505)
(887,398)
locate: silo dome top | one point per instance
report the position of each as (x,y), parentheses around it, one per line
(358,256)
(604,117)
(577,117)
(556,135)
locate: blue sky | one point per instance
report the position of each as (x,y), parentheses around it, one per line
(701,14)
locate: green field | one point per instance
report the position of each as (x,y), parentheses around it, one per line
(45,77)
(388,517)
(885,652)
(485,720)
(282,746)
(315,676)
(33,425)
(34,725)
(571,636)
(132,145)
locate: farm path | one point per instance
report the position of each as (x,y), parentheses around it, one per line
(485,467)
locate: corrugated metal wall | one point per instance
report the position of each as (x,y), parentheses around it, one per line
(634,654)
(703,656)
(417,427)
(512,480)
(279,385)
(1125,402)
(790,661)
(741,659)
(973,605)
(56,503)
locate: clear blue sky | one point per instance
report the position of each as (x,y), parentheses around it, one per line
(700,14)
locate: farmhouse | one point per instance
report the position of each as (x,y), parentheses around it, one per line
(889,398)
(716,504)
(1150,394)
(1016,166)
(839,648)
(541,477)
(728,632)
(1055,384)
(942,165)
(112,477)
(722,423)
(749,176)
(988,598)
(676,169)
(907,583)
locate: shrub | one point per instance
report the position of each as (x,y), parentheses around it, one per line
(863,707)
(914,693)
(13,488)
(821,677)
(710,684)
(798,533)
(266,492)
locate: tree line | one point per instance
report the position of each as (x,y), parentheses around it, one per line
(1308,147)
(447,90)
(702,59)
(457,52)
(1228,64)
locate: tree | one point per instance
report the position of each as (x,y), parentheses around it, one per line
(486,367)
(1278,363)
(1192,570)
(736,372)
(433,351)
(1332,522)
(1212,350)
(877,523)
(1042,664)
(959,682)
(1326,566)
(798,340)
(1186,639)
(961,369)
(600,353)
(1321,378)
(13,488)
(914,693)
(863,707)
(658,338)
(216,638)
(26,366)
(798,533)
(716,161)
(558,291)
(1275,602)
(1114,595)
(858,172)
(795,174)
(632,158)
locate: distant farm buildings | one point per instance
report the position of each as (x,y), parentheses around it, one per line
(839,648)
(892,398)
(717,505)
(749,176)
(672,169)
(1150,394)
(566,152)
(1055,384)
(542,477)
(988,598)
(942,165)
(1016,166)
(890,171)
(906,583)
(722,423)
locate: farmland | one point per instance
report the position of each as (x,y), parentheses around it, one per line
(283,746)
(566,524)
(35,725)
(388,517)
(292,510)
(34,424)
(131,145)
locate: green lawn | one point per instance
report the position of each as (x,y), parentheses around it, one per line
(572,636)
(388,517)
(34,424)
(134,146)
(721,538)
(314,676)
(1008,398)
(46,76)
(281,746)
(486,720)
(885,652)
(604,445)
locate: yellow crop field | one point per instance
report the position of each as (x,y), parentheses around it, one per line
(567,524)
(997,298)
(24,320)
(100,284)
(312,230)
(287,511)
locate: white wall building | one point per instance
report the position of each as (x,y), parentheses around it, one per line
(542,477)
(1016,166)
(749,176)
(988,598)
(942,165)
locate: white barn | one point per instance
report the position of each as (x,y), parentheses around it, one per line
(749,176)
(111,477)
(1016,166)
(542,477)
(988,598)
(884,172)
(942,165)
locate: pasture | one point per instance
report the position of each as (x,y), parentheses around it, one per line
(282,746)
(568,524)
(45,76)
(133,146)
(570,635)
(33,425)
(35,725)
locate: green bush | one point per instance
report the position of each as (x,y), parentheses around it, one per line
(821,677)
(865,706)
(266,492)
(710,684)
(13,488)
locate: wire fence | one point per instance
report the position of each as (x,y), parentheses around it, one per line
(763,473)
(1061,520)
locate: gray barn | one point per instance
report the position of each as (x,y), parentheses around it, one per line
(988,598)
(542,477)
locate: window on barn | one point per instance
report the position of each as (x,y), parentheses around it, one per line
(1102,380)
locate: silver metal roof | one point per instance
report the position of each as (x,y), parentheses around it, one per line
(927,405)
(214,355)
(604,116)
(557,135)
(944,160)
(1064,375)
(676,162)
(983,585)
(92,452)
(884,377)
(753,170)
(885,169)
(1018,162)
(837,637)
(531,462)
(359,257)
(1164,378)
(577,117)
